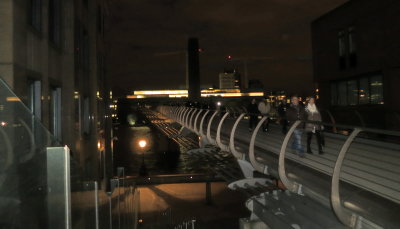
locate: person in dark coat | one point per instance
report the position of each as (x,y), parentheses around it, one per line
(252,110)
(294,113)
(314,115)
(282,115)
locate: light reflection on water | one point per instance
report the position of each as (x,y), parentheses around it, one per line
(161,155)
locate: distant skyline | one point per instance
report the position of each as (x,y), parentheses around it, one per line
(147,40)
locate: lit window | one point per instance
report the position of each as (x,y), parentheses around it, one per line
(352,92)
(364,91)
(376,90)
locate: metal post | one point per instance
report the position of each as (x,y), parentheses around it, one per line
(232,138)
(219,143)
(210,140)
(281,167)
(201,123)
(59,188)
(258,166)
(348,219)
(195,122)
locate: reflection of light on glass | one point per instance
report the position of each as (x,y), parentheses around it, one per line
(142,143)
(98,144)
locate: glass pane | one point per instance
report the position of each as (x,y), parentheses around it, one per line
(364,91)
(333,93)
(376,90)
(342,93)
(352,92)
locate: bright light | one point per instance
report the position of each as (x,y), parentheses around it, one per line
(98,145)
(142,143)
(229,57)
(218,103)
(3,123)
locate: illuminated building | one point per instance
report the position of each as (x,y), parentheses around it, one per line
(229,80)
(356,62)
(184,93)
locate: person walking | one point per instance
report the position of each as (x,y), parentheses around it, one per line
(294,113)
(252,111)
(264,107)
(282,115)
(313,115)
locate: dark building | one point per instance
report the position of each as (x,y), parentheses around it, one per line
(193,77)
(356,57)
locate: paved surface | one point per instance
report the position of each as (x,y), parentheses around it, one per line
(175,203)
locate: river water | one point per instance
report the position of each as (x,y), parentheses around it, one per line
(160,155)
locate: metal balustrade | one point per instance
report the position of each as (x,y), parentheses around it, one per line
(354,174)
(41,186)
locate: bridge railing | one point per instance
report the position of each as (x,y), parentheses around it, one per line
(368,165)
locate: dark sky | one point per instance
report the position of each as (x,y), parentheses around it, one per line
(147,39)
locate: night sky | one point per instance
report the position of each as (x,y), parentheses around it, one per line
(147,38)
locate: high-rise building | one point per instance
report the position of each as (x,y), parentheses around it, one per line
(193,74)
(52,56)
(229,79)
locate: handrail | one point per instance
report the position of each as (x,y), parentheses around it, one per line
(281,165)
(232,148)
(257,166)
(219,143)
(210,140)
(347,219)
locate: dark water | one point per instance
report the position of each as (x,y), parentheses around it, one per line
(161,155)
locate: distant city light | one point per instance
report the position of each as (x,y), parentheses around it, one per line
(218,103)
(3,123)
(229,57)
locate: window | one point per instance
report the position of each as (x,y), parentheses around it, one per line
(35,98)
(85,50)
(99,20)
(342,93)
(364,90)
(342,50)
(352,92)
(352,47)
(86,116)
(35,14)
(347,48)
(334,94)
(364,96)
(55,21)
(55,112)
(376,90)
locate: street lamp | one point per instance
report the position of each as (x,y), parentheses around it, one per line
(142,170)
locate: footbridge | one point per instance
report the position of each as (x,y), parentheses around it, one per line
(354,184)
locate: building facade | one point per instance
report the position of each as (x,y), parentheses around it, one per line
(52,57)
(229,79)
(356,58)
